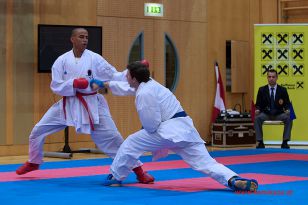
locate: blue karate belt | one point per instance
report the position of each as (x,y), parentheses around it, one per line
(179,114)
(176,115)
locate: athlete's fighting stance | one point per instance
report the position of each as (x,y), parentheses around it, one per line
(81,106)
(166,126)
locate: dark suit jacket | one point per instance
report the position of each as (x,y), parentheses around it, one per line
(282,101)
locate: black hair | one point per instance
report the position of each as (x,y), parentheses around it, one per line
(74,31)
(139,71)
(272,71)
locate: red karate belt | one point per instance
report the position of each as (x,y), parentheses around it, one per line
(83,102)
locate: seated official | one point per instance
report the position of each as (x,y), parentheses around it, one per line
(273,103)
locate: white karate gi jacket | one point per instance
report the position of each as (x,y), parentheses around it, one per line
(156,105)
(67,68)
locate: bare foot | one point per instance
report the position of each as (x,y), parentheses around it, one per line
(242,184)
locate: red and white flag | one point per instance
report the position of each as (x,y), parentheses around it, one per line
(219,104)
(252,111)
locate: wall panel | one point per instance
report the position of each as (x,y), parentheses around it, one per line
(3,23)
(255,17)
(23,70)
(193,10)
(9,74)
(239,66)
(67,12)
(268,11)
(228,20)
(189,39)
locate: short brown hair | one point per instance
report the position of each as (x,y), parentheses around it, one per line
(139,71)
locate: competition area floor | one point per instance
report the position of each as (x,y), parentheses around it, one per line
(282,176)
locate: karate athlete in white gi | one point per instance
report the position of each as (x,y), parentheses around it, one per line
(81,106)
(165,127)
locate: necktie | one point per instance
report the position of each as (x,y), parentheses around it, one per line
(272,99)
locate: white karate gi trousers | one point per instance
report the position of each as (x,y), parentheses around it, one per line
(105,135)
(193,153)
